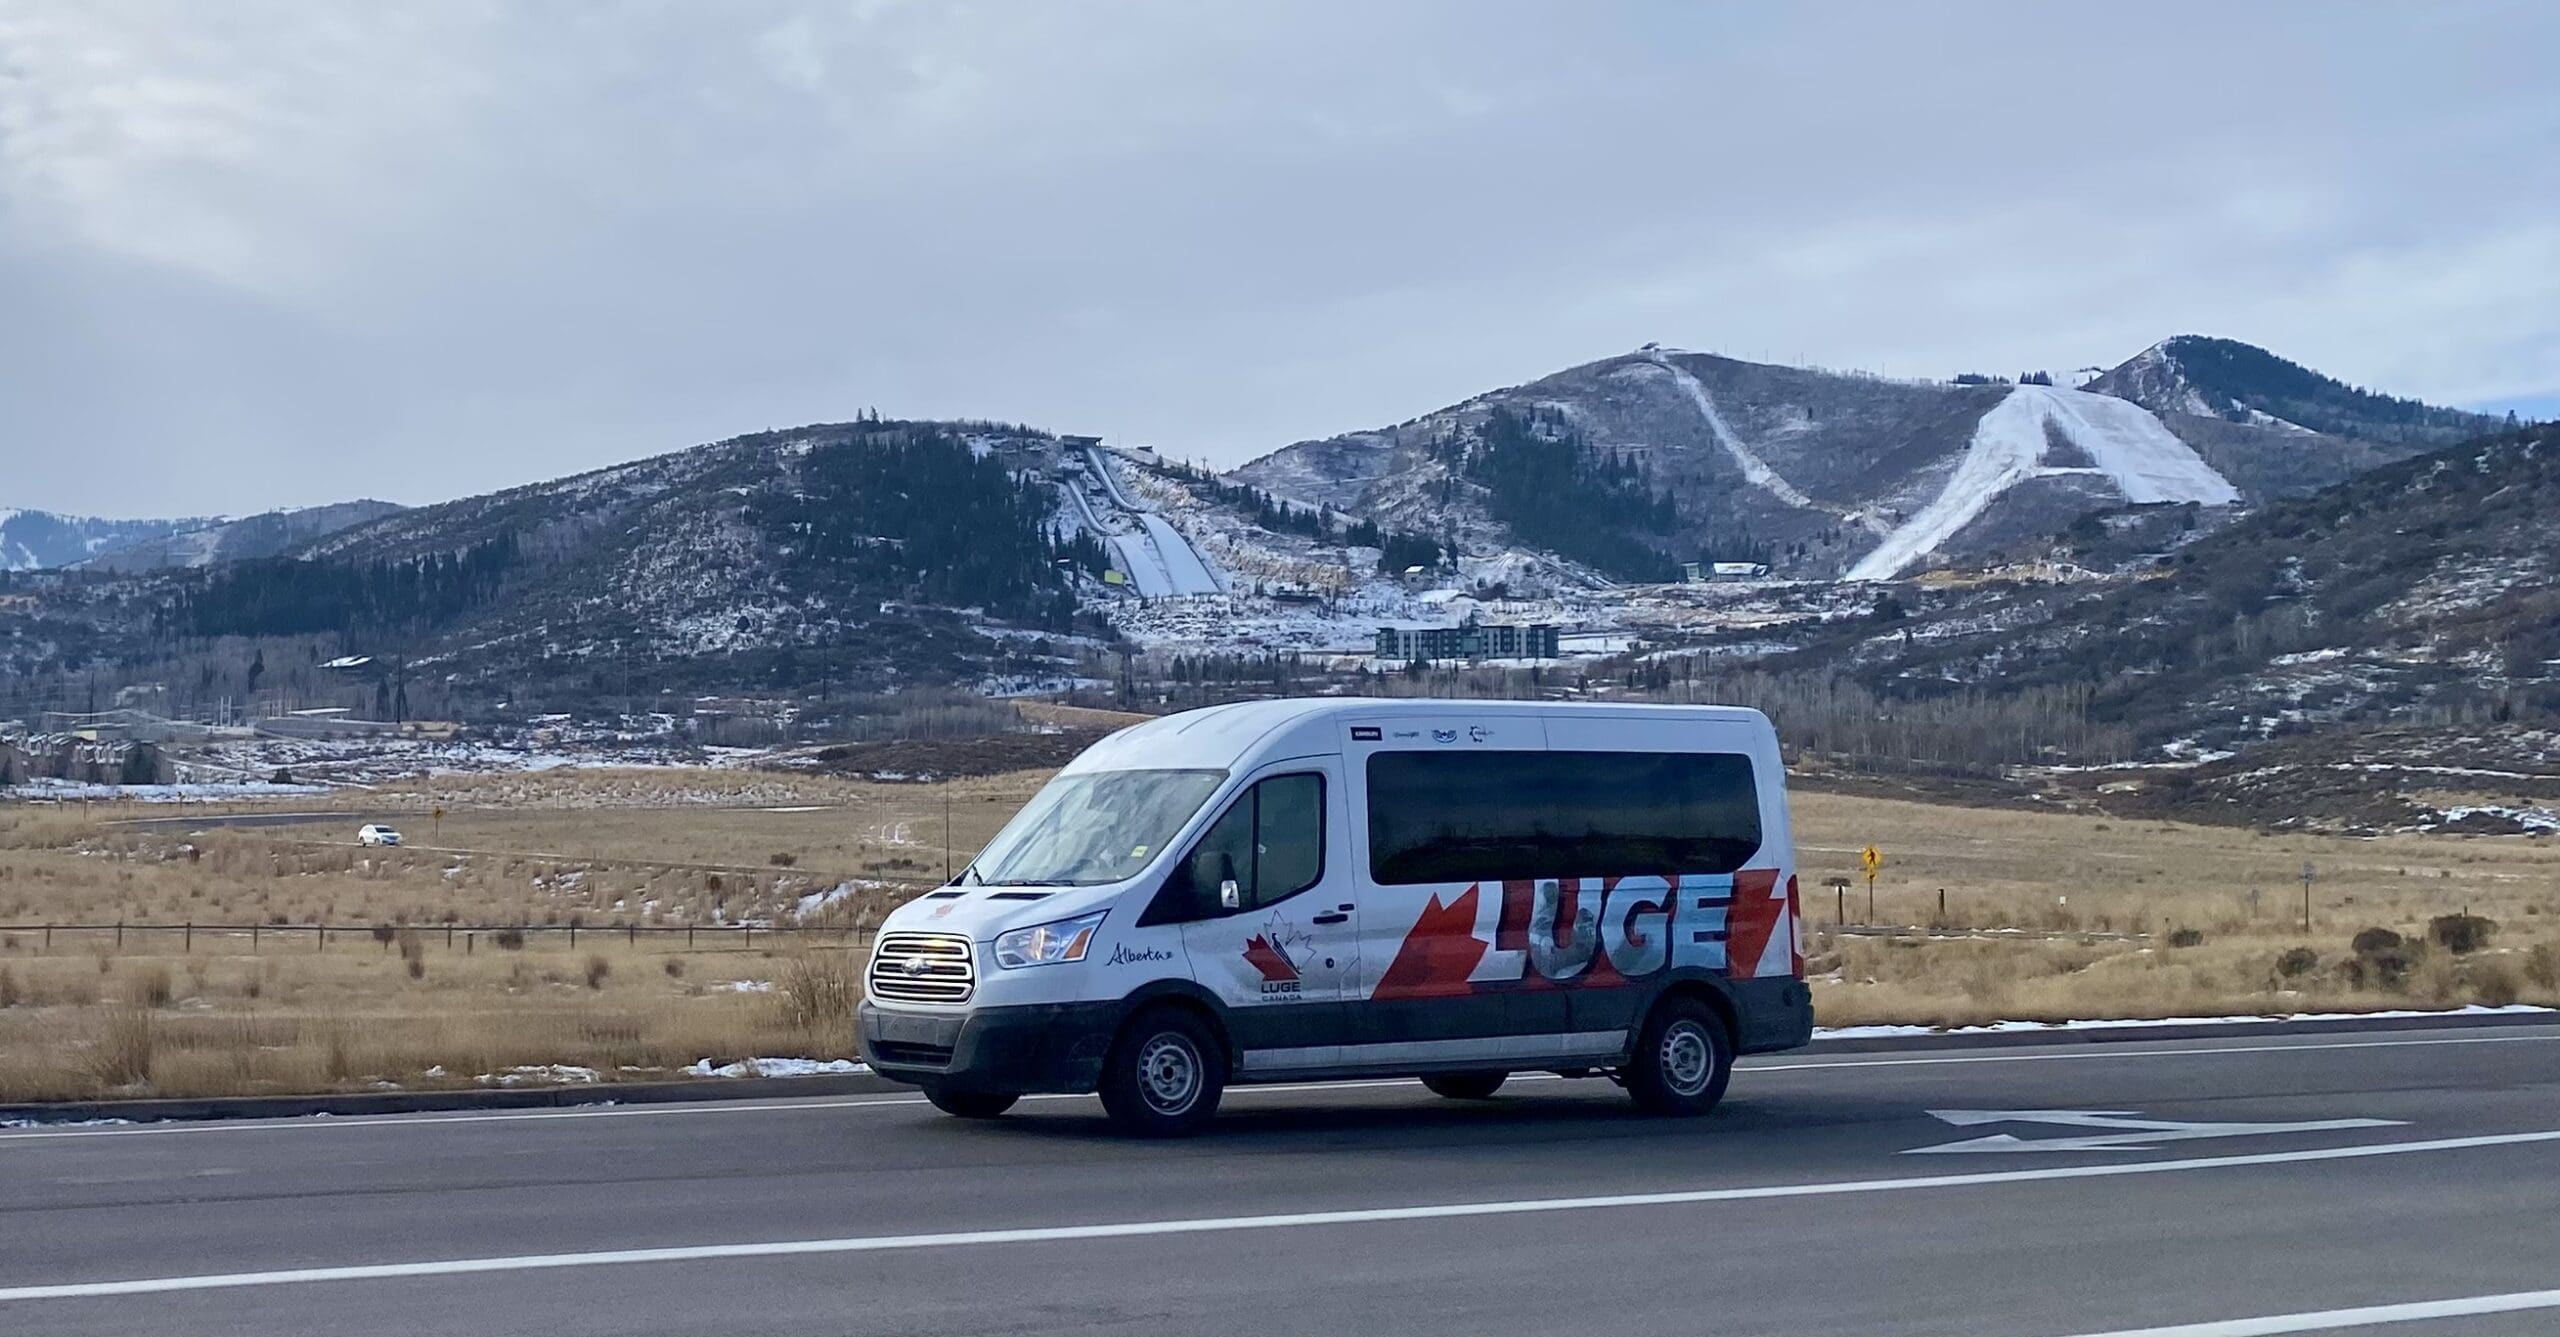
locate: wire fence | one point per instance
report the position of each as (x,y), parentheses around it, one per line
(258,939)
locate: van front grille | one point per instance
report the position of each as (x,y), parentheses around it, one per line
(923,968)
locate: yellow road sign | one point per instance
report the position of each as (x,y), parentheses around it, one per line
(1872,858)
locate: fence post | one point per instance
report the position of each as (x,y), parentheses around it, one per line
(187,944)
(466,942)
(48,939)
(750,940)
(119,935)
(253,939)
(631,932)
(320,937)
(688,937)
(573,935)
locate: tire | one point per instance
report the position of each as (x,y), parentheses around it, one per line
(1682,1061)
(1164,1074)
(970,1104)
(1465,1085)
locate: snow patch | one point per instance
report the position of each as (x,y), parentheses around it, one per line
(776,1067)
(2126,443)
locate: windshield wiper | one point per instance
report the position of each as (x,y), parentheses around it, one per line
(1035,882)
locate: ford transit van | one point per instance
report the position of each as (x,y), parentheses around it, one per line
(1315,889)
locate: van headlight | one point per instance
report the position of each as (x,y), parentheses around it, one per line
(1048,944)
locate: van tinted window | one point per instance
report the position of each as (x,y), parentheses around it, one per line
(1270,841)
(1488,816)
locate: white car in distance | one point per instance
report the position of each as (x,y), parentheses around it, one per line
(374,833)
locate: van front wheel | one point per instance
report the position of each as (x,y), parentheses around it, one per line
(1164,1074)
(1465,1085)
(1682,1060)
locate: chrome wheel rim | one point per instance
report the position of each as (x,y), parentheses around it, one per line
(1687,1058)
(1169,1073)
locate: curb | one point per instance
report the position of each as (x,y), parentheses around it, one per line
(436,1102)
(2175,1031)
(853,1084)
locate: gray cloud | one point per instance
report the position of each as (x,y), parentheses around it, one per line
(256,255)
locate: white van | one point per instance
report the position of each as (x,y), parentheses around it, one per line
(1296,890)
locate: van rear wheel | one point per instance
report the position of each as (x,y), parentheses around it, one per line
(1682,1061)
(1164,1074)
(1465,1085)
(969,1104)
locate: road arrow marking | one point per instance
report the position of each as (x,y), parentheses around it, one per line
(2126,1130)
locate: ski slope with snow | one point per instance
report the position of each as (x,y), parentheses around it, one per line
(1159,561)
(2122,439)
(1753,467)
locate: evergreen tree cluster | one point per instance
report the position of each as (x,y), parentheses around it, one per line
(2227,370)
(286,596)
(1556,492)
(1401,552)
(909,508)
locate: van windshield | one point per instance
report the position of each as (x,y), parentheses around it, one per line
(1100,826)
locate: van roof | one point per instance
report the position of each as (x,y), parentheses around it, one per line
(1221,736)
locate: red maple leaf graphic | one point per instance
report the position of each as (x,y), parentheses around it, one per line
(1438,955)
(1271,961)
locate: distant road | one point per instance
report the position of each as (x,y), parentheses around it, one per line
(2178,1183)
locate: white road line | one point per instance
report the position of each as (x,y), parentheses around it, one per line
(1204,1225)
(2333,1320)
(793,1106)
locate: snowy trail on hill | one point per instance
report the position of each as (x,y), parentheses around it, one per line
(1753,467)
(2125,443)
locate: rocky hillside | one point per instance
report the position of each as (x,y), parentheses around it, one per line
(2383,640)
(853,553)
(271,534)
(37,540)
(1659,457)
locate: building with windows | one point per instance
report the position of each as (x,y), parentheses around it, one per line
(1469,640)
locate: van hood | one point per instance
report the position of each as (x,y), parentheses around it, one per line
(984,912)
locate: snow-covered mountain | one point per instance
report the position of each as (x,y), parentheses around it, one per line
(267,534)
(1828,474)
(32,540)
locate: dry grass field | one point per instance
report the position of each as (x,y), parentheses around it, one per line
(2075,917)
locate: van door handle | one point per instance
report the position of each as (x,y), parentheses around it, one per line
(1337,917)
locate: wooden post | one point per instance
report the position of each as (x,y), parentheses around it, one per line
(253,937)
(320,937)
(187,945)
(632,933)
(688,937)
(120,925)
(750,940)
(467,941)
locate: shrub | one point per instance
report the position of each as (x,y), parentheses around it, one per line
(2461,933)
(125,1048)
(597,969)
(384,933)
(674,966)
(150,986)
(2374,940)
(820,991)
(511,939)
(2297,962)
(782,859)
(2494,982)
(2542,965)
(2186,937)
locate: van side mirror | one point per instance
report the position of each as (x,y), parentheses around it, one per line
(1230,896)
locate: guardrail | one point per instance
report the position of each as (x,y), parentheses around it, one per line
(260,938)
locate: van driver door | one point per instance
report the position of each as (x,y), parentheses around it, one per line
(1270,924)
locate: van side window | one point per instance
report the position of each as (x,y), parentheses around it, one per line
(1269,842)
(1485,816)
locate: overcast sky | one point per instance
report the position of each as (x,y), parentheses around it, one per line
(256,255)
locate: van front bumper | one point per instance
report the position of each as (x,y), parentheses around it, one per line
(1042,1047)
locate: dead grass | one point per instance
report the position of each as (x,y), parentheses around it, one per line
(422,1010)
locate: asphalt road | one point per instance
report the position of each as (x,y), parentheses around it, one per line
(2183,1191)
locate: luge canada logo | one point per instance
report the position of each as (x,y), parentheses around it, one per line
(1268,953)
